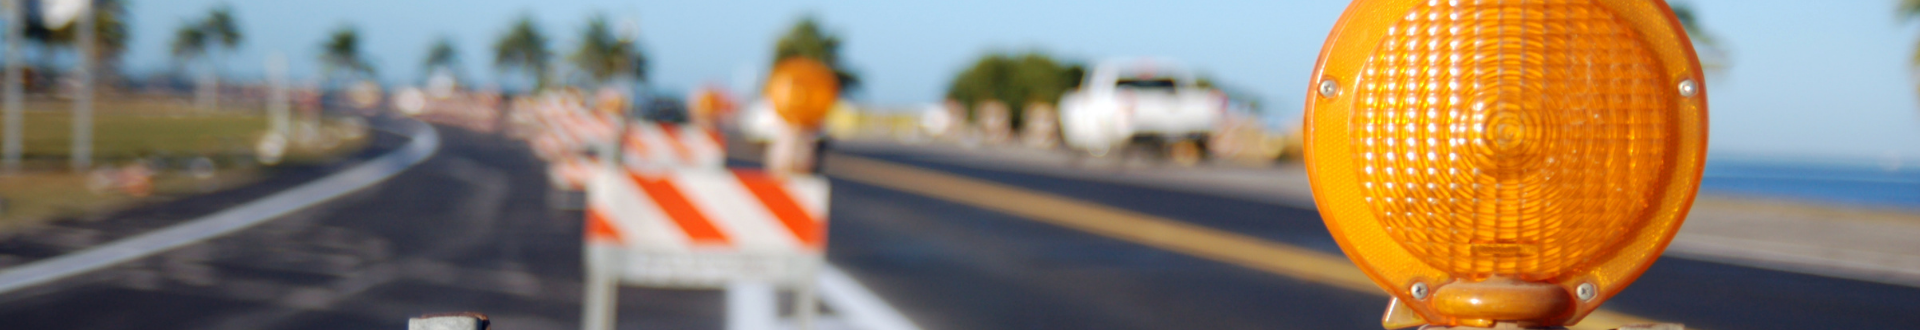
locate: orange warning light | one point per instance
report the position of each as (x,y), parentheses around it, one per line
(710,102)
(802,90)
(1505,161)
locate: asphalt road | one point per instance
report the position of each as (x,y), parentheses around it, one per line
(958,268)
(470,230)
(466,230)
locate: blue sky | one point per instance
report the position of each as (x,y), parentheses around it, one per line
(1810,79)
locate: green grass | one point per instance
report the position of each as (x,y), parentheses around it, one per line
(128,129)
(121,135)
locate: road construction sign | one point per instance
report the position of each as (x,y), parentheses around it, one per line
(659,145)
(706,227)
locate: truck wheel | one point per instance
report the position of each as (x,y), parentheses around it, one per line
(1185,152)
(1206,150)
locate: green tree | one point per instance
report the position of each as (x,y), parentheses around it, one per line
(1016,80)
(189,43)
(442,55)
(109,31)
(222,28)
(341,55)
(193,40)
(605,56)
(807,39)
(523,49)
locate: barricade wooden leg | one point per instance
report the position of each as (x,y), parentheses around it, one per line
(602,290)
(752,305)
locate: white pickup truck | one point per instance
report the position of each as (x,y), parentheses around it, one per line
(1149,102)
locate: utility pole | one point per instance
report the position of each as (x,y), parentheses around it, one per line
(83,100)
(16,22)
(278,110)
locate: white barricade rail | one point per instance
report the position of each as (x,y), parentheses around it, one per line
(658,145)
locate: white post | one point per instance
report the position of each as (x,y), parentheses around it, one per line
(16,19)
(752,305)
(613,153)
(791,151)
(602,286)
(83,101)
(279,112)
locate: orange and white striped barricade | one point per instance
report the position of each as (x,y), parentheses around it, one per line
(583,130)
(651,145)
(547,146)
(705,228)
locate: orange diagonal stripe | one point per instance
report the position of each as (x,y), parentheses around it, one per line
(783,207)
(699,229)
(718,141)
(600,229)
(635,144)
(673,141)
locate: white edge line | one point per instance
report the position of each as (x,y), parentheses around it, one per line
(424,142)
(859,305)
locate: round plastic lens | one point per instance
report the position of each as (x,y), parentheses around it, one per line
(1525,160)
(1511,138)
(802,90)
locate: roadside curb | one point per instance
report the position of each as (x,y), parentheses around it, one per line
(424,142)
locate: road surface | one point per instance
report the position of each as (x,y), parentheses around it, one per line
(469,230)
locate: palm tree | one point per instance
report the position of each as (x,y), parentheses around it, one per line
(221,26)
(223,31)
(189,43)
(109,33)
(342,54)
(442,56)
(523,49)
(193,40)
(604,56)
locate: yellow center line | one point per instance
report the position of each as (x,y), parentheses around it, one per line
(1173,235)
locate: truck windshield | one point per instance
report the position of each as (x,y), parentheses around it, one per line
(1149,84)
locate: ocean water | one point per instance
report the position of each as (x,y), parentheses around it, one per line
(1877,185)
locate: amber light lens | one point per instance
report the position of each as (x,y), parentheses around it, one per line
(1545,142)
(802,90)
(1511,139)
